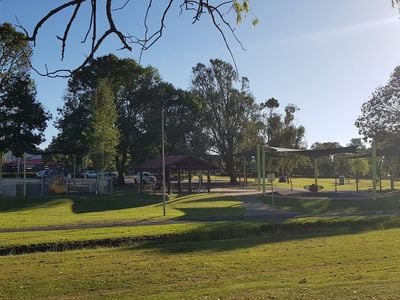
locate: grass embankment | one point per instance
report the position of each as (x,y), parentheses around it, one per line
(353,266)
(61,210)
(63,240)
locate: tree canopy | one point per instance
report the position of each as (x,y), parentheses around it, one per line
(226,106)
(380,116)
(22,117)
(138,93)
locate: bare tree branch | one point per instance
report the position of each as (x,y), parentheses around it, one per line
(219,11)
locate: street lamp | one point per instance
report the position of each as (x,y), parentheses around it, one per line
(172,98)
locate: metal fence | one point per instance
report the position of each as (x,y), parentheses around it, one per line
(54,185)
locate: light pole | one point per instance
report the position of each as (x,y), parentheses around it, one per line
(173,98)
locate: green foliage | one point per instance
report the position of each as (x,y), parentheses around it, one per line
(138,93)
(22,117)
(15,54)
(225,108)
(280,131)
(103,135)
(380,116)
(359,166)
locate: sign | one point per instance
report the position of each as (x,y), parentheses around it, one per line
(271,177)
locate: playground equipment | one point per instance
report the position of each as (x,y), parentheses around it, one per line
(313,187)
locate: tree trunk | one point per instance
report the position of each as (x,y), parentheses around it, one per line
(230,168)
(120,164)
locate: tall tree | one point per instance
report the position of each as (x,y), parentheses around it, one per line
(22,117)
(380,116)
(103,134)
(132,86)
(280,131)
(226,109)
(138,93)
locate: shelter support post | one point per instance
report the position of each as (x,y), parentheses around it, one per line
(190,180)
(258,163)
(244,173)
(179,180)
(373,145)
(357,182)
(263,170)
(335,183)
(74,166)
(1,170)
(24,190)
(315,171)
(169,180)
(208,181)
(391,179)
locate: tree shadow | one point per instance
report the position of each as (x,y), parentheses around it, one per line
(10,204)
(80,204)
(238,235)
(337,205)
(233,212)
(112,202)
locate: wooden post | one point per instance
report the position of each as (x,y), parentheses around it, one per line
(263,169)
(258,164)
(315,171)
(74,166)
(357,182)
(335,183)
(24,191)
(373,145)
(169,180)
(391,179)
(208,181)
(244,173)
(179,180)
(1,170)
(190,180)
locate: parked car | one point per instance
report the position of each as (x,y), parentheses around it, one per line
(91,174)
(112,175)
(144,177)
(45,173)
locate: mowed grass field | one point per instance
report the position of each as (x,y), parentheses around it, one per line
(321,257)
(351,266)
(61,210)
(328,184)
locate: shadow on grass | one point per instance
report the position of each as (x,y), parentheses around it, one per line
(81,204)
(8,204)
(112,202)
(321,205)
(232,236)
(211,213)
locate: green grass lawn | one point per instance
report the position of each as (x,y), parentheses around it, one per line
(329,184)
(59,210)
(351,266)
(386,204)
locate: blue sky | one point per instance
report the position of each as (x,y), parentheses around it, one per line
(327,57)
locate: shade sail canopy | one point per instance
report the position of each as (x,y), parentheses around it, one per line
(184,162)
(314,153)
